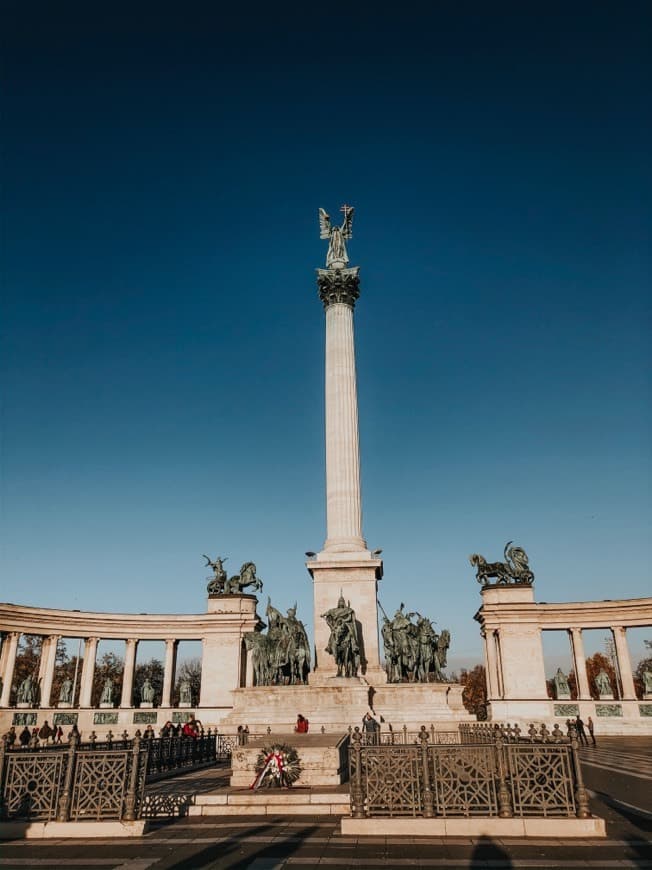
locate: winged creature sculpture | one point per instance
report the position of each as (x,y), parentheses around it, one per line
(336,257)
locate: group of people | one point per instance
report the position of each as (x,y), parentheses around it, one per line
(44,734)
(581,732)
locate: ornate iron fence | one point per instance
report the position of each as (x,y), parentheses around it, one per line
(75,783)
(535,774)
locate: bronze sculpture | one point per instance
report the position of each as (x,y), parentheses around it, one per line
(282,656)
(336,256)
(414,652)
(343,643)
(514,570)
(218,584)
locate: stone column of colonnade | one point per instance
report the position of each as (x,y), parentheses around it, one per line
(624,663)
(128,673)
(88,672)
(171,646)
(49,661)
(579,662)
(9,664)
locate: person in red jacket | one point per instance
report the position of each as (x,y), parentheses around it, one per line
(302,725)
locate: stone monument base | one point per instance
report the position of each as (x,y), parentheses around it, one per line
(184,706)
(607,696)
(342,702)
(146,705)
(24,705)
(647,696)
(564,696)
(324,758)
(106,705)
(64,705)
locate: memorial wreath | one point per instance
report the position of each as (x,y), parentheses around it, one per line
(277,766)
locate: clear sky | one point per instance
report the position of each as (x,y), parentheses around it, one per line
(162,338)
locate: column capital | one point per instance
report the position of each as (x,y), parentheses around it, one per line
(338,285)
(618,628)
(171,640)
(131,641)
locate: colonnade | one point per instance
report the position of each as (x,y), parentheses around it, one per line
(47,667)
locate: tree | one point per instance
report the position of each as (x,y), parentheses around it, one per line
(475,690)
(189,670)
(111,668)
(595,664)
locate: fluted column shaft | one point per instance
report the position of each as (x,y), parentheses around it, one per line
(88,672)
(343,500)
(624,664)
(49,657)
(8,669)
(128,673)
(493,677)
(168,673)
(579,659)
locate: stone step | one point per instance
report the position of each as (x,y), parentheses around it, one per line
(272,802)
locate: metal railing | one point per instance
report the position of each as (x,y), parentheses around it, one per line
(512,775)
(71,783)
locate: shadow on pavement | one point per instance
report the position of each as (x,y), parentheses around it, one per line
(487,850)
(233,854)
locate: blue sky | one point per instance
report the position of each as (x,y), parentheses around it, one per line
(163,340)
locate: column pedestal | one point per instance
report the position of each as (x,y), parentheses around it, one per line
(356,579)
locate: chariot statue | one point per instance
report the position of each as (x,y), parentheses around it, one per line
(219,584)
(514,570)
(217,581)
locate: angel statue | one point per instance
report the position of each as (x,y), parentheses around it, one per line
(336,257)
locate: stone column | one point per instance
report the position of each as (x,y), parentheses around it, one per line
(9,665)
(624,664)
(49,657)
(128,673)
(88,672)
(339,288)
(168,673)
(493,677)
(577,643)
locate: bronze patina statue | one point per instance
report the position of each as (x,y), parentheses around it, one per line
(414,652)
(343,643)
(217,581)
(514,570)
(236,585)
(282,656)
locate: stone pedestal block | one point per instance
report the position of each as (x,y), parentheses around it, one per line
(64,705)
(607,696)
(324,758)
(146,705)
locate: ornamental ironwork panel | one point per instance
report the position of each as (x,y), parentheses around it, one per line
(32,782)
(464,780)
(100,784)
(391,780)
(540,779)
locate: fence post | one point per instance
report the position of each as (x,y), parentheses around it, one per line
(357,796)
(581,797)
(66,795)
(505,810)
(130,802)
(428,811)
(3,756)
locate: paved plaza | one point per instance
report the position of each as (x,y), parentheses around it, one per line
(618,773)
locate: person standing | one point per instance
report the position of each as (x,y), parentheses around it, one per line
(581,734)
(370,728)
(591,727)
(25,736)
(302,725)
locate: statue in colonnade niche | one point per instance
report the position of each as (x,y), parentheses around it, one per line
(65,692)
(602,683)
(514,570)
(107,692)
(185,693)
(147,692)
(647,682)
(562,689)
(343,643)
(26,693)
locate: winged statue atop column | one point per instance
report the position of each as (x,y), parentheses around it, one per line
(336,257)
